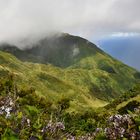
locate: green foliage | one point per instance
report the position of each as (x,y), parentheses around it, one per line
(81,123)
(137,75)
(64,99)
(106,67)
(27,120)
(9,135)
(129,107)
(63,104)
(124,97)
(31,110)
(90,72)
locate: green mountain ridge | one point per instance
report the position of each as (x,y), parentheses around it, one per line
(62,50)
(88,96)
(71,67)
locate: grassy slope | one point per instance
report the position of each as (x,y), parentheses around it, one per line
(84,83)
(96,73)
(123,104)
(80,63)
(47,82)
(87,78)
(127,101)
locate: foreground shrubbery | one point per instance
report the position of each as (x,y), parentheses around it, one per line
(126,96)
(25,115)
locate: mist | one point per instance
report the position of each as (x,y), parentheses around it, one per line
(31,19)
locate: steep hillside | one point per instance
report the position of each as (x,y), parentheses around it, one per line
(74,62)
(61,50)
(47,81)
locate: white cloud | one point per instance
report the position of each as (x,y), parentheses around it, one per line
(127,34)
(75,51)
(87,18)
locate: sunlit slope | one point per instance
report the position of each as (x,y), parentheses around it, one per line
(72,66)
(127,102)
(47,80)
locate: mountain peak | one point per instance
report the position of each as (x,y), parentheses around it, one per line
(61,50)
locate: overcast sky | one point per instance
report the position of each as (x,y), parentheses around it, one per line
(87,18)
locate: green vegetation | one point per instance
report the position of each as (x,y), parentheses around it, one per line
(26,115)
(67,92)
(86,88)
(131,95)
(70,66)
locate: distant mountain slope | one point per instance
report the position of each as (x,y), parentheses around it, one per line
(78,69)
